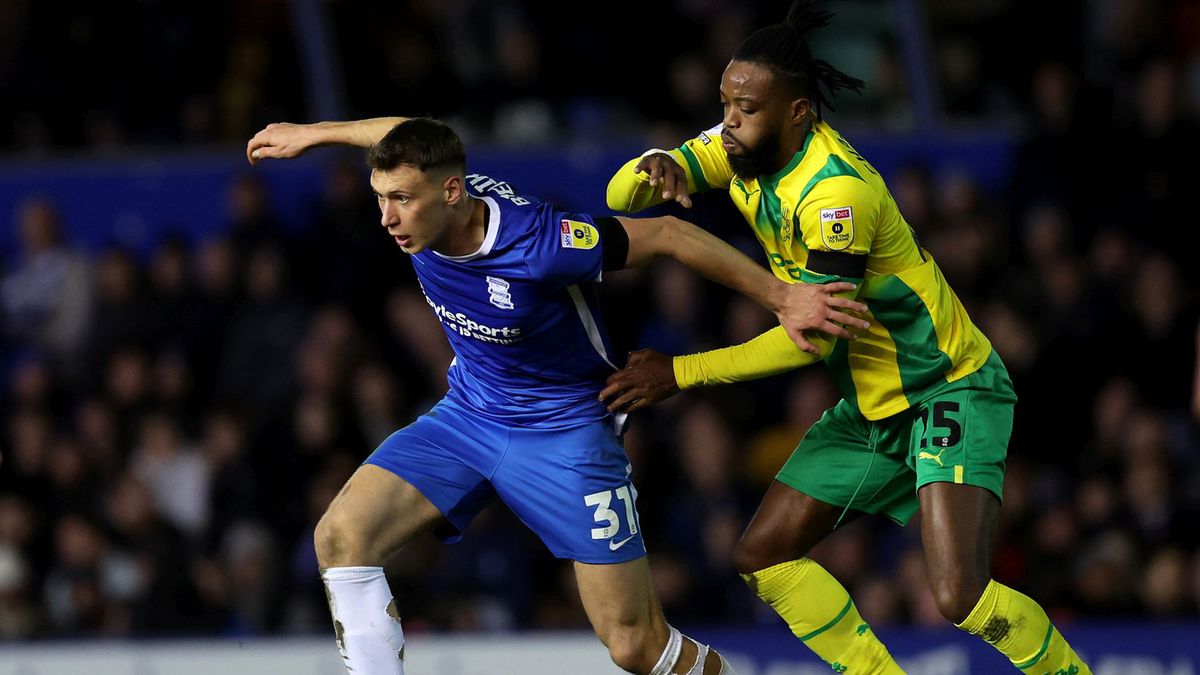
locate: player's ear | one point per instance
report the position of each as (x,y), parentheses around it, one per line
(452,188)
(800,108)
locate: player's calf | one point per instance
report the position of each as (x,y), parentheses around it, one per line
(627,618)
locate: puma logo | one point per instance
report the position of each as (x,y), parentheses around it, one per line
(742,186)
(929,455)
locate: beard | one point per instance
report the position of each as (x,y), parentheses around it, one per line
(758,161)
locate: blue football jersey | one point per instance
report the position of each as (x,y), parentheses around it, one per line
(530,345)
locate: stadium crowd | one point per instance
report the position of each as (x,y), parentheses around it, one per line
(171,428)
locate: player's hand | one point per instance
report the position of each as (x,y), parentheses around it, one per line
(663,170)
(648,378)
(282,141)
(816,307)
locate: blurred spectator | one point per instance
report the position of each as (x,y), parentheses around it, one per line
(252,227)
(159,597)
(101,442)
(67,471)
(256,370)
(417,349)
(1151,204)
(1054,155)
(378,403)
(20,615)
(124,316)
(248,560)
(1163,585)
(809,395)
(231,478)
(28,444)
(706,513)
(674,326)
(189,324)
(87,591)
(174,472)
(46,299)
(349,259)
(1104,576)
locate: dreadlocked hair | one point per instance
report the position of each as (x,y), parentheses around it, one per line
(783,47)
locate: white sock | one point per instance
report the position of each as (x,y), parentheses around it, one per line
(666,662)
(670,655)
(723,667)
(369,637)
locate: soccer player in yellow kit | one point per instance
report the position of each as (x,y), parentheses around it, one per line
(927,404)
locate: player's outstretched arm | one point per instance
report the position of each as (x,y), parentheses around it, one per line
(650,377)
(286,140)
(799,307)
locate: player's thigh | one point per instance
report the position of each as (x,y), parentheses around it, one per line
(446,454)
(375,513)
(787,525)
(619,600)
(427,475)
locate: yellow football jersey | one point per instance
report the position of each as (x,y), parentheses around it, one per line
(828,216)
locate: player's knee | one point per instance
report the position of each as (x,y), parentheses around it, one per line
(337,543)
(746,558)
(956,596)
(633,645)
(754,553)
(632,650)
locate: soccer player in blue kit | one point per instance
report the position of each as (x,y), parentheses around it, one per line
(510,278)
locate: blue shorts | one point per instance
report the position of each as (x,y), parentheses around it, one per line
(570,486)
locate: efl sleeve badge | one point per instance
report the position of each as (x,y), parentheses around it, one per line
(837,227)
(578,234)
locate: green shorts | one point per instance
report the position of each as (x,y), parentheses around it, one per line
(958,434)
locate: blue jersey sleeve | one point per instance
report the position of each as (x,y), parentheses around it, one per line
(567,249)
